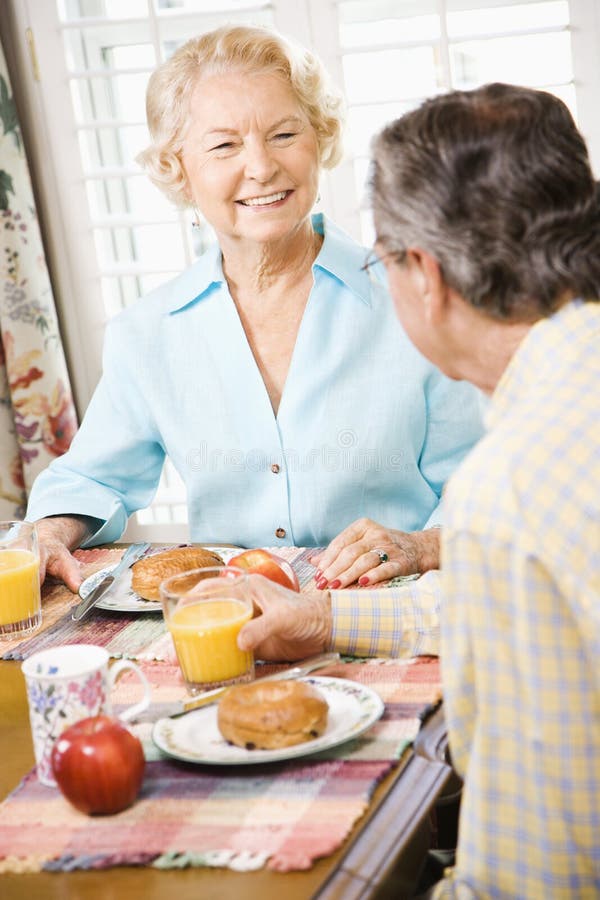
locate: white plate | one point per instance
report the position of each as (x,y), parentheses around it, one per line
(195,737)
(123,599)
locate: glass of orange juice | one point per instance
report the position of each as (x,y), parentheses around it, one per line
(204,610)
(20,599)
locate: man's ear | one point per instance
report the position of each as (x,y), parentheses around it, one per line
(427,277)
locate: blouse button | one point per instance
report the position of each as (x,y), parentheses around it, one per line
(280,533)
(275,468)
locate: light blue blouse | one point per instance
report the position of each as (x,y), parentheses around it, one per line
(366,426)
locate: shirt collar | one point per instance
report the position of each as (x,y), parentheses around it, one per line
(339,255)
(544,344)
(197,280)
(343,258)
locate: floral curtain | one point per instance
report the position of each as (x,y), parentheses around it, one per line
(37,415)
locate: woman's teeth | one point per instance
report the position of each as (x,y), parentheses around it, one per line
(263,201)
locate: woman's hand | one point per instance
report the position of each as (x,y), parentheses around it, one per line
(354,555)
(58,535)
(287,625)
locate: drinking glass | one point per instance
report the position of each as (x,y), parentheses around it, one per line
(20,598)
(204,610)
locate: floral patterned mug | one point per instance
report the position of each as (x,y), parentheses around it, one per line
(66,684)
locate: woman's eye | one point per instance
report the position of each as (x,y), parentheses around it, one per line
(226,145)
(285,135)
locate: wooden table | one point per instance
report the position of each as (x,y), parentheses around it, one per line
(381,859)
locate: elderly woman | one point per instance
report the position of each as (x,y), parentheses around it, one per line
(272,372)
(488,222)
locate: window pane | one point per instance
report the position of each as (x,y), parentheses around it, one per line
(151,246)
(134,195)
(158,514)
(111,146)
(367,75)
(361,173)
(365,121)
(113,245)
(131,96)
(119,97)
(134,139)
(208,6)
(367,228)
(176,32)
(534,60)
(107,46)
(566,92)
(126,142)
(179,512)
(371,10)
(119,292)
(108,196)
(147,200)
(366,23)
(134,56)
(109,9)
(159,246)
(463,20)
(154,279)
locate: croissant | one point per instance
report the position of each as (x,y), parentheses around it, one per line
(147,574)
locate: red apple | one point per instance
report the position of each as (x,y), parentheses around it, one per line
(98,765)
(264,563)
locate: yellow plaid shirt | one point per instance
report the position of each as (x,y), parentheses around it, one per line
(521,625)
(389,621)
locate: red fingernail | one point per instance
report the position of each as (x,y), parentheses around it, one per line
(318,574)
(322,583)
(363,580)
(335,584)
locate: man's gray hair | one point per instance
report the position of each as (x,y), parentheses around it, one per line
(496,184)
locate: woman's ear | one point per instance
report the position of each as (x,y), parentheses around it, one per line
(425,271)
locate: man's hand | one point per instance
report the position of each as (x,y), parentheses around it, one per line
(287,625)
(354,555)
(57,535)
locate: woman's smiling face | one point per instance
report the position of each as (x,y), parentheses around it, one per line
(251,157)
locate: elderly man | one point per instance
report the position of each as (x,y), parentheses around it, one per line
(488,223)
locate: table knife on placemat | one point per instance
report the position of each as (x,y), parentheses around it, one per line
(131,555)
(303,667)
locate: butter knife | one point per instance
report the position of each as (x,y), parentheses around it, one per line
(131,555)
(298,671)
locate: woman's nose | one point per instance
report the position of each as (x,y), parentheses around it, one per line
(261,164)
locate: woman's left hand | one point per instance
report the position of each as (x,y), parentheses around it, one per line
(359,553)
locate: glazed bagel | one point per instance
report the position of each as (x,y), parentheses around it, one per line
(147,574)
(273,714)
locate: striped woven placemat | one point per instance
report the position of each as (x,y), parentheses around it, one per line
(284,815)
(141,636)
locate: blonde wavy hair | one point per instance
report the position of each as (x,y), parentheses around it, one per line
(226,49)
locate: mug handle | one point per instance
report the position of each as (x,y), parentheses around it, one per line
(113,673)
